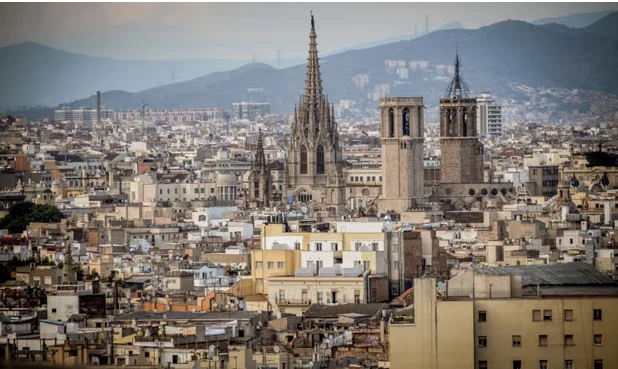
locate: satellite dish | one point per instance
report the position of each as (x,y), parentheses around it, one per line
(257,327)
(304,209)
(164,316)
(276,349)
(193,310)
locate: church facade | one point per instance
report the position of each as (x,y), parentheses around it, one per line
(314,165)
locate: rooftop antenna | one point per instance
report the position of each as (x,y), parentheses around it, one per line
(254,60)
(279,59)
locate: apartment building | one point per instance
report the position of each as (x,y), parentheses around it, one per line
(355,246)
(541,316)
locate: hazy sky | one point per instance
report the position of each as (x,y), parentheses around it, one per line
(236,31)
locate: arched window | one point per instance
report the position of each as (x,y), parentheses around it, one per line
(319,157)
(391,123)
(464,123)
(405,125)
(303,160)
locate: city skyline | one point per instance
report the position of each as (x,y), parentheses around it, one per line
(160,31)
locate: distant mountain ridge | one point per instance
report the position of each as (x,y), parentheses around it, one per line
(579,20)
(41,75)
(492,57)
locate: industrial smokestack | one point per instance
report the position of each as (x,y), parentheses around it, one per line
(98,108)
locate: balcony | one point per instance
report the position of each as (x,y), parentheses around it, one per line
(293,302)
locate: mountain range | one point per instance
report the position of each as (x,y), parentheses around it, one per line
(493,57)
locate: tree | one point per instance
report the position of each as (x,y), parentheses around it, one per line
(23,213)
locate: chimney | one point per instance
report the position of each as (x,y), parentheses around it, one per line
(98,108)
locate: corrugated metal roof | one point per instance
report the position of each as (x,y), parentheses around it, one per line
(332,311)
(552,274)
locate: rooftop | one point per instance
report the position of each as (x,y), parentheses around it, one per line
(333,311)
(552,274)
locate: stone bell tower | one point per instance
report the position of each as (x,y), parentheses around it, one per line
(462,152)
(402,138)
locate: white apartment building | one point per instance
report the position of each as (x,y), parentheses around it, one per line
(489,116)
(172,116)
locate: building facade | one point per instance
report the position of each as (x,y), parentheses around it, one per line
(314,164)
(489,116)
(249,110)
(402,152)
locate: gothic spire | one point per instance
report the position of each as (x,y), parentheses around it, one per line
(313,78)
(458,87)
(260,158)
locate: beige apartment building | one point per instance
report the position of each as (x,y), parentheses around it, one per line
(322,254)
(540,316)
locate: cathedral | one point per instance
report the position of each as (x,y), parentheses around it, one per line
(317,177)
(314,167)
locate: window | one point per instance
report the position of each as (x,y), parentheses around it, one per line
(303,160)
(516,341)
(543,340)
(259,265)
(320,297)
(405,122)
(184,190)
(174,359)
(598,314)
(146,354)
(319,166)
(536,315)
(598,364)
(334,245)
(280,265)
(241,333)
(598,339)
(297,245)
(482,316)
(568,315)
(547,315)
(391,123)
(374,246)
(542,364)
(516,364)
(482,341)
(358,245)
(259,282)
(130,352)
(53,310)
(568,364)
(482,364)
(271,265)
(568,340)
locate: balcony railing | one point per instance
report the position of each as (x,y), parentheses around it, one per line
(298,302)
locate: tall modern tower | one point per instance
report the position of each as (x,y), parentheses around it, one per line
(402,152)
(462,152)
(314,167)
